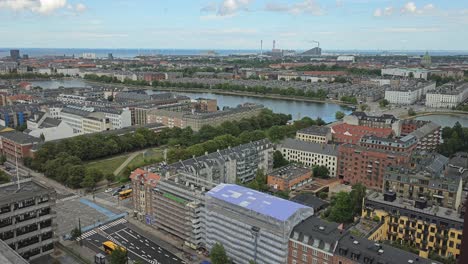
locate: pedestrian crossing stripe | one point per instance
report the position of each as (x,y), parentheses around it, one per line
(102,228)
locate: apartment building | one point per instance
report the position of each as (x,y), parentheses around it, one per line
(196,120)
(27,219)
(447,96)
(16,115)
(408,94)
(251,225)
(406,72)
(366,163)
(178,207)
(313,241)
(352,134)
(17,145)
(362,119)
(429,136)
(310,154)
(428,227)
(50,128)
(229,165)
(317,134)
(288,177)
(85,121)
(9,256)
(142,184)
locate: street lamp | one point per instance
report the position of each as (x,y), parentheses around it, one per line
(255,231)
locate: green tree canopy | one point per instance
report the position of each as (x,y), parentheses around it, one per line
(218,254)
(279,160)
(118,256)
(339,115)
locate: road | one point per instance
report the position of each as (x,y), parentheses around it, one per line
(138,246)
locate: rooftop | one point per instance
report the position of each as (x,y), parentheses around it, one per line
(326,149)
(315,130)
(317,233)
(256,201)
(19,137)
(28,188)
(362,250)
(289,172)
(450,88)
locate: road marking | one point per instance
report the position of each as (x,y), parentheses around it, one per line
(123,238)
(137,248)
(174,259)
(129,234)
(166,255)
(153,248)
(143,252)
(147,245)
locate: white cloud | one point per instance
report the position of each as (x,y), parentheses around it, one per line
(304,7)
(429,7)
(35,6)
(409,7)
(229,7)
(387,11)
(80,7)
(378,12)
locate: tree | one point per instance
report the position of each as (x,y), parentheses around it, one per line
(42,137)
(110,98)
(118,256)
(411,112)
(75,233)
(357,194)
(279,160)
(3,159)
(339,115)
(4,178)
(218,254)
(341,210)
(363,107)
(88,182)
(320,171)
(384,103)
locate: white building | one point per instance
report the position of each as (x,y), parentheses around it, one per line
(71,98)
(119,118)
(447,96)
(69,71)
(345,58)
(310,153)
(408,94)
(406,72)
(47,71)
(51,129)
(88,55)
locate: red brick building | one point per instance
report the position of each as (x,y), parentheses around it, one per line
(15,144)
(149,77)
(142,184)
(410,125)
(366,163)
(346,133)
(288,177)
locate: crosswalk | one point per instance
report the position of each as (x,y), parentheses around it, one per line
(101,228)
(69,198)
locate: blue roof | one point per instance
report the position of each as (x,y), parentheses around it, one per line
(259,202)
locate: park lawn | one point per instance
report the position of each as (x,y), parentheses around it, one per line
(139,160)
(107,165)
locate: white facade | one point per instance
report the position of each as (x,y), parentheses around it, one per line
(69,71)
(63,130)
(406,72)
(44,71)
(89,55)
(446,100)
(71,99)
(74,121)
(121,120)
(410,96)
(345,58)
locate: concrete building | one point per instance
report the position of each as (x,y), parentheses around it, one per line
(407,73)
(196,120)
(84,120)
(408,94)
(15,54)
(310,154)
(313,241)
(27,218)
(251,225)
(288,177)
(317,134)
(428,227)
(362,119)
(178,204)
(447,96)
(9,256)
(229,165)
(142,184)
(16,115)
(48,127)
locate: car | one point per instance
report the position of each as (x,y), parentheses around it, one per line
(108,190)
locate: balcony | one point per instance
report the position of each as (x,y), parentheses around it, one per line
(37,245)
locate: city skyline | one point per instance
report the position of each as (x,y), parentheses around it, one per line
(236,24)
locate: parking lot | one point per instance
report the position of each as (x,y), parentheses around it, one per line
(109,197)
(137,245)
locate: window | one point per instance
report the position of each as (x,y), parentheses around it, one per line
(304,257)
(294,245)
(304,248)
(314,252)
(294,253)
(314,261)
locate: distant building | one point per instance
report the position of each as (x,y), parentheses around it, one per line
(317,134)
(27,218)
(50,128)
(407,95)
(88,55)
(407,72)
(310,153)
(15,54)
(312,52)
(15,144)
(426,60)
(251,225)
(16,115)
(346,58)
(362,119)
(447,96)
(288,177)
(346,133)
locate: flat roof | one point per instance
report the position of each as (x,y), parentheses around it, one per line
(289,172)
(326,149)
(315,130)
(28,188)
(256,201)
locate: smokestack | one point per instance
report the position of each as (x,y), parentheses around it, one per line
(274,44)
(261,47)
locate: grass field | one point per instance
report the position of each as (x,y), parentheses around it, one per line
(142,160)
(107,165)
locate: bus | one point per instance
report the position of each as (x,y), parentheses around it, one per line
(125,194)
(110,246)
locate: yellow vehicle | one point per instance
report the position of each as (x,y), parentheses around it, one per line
(125,194)
(110,246)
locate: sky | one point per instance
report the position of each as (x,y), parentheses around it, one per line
(235,24)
